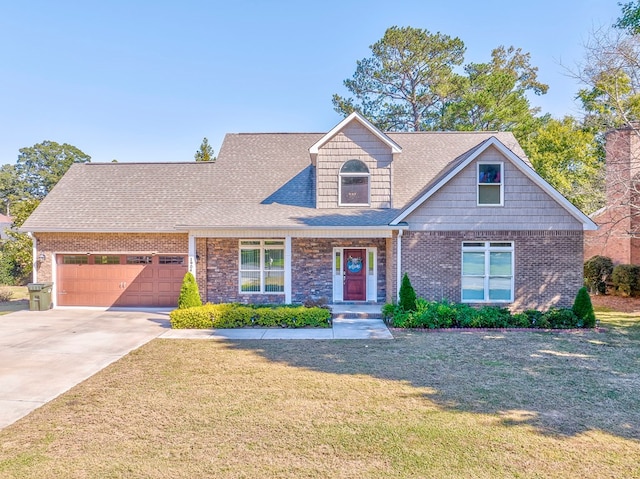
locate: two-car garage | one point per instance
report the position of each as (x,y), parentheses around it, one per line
(122,280)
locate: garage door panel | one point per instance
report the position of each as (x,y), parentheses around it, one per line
(121,284)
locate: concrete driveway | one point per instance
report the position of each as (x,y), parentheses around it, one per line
(45,353)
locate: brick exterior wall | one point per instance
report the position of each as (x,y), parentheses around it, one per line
(311,270)
(312,265)
(618,234)
(50,243)
(548,265)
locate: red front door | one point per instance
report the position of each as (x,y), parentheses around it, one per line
(355,277)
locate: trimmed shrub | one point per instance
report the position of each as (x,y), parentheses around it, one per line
(583,308)
(232,315)
(560,318)
(597,272)
(407,295)
(625,279)
(199,317)
(189,295)
(5,294)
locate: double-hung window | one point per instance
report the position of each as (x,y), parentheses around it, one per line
(261,266)
(487,272)
(490,184)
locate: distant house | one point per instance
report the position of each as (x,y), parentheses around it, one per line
(5,226)
(618,235)
(341,215)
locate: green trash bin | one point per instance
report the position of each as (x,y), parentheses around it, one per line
(39,296)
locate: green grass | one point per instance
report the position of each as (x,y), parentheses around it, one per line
(478,404)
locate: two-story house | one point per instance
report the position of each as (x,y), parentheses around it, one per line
(286,217)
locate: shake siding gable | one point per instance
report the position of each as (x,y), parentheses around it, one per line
(526,205)
(354,141)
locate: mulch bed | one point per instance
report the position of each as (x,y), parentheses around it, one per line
(616,303)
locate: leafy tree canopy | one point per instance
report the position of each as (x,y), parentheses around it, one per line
(205,152)
(569,157)
(41,166)
(630,19)
(410,83)
(407,81)
(493,95)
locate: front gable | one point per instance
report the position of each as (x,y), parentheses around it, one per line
(526,201)
(354,139)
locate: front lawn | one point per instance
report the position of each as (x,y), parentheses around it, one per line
(481,404)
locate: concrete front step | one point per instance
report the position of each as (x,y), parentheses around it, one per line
(356,311)
(356,315)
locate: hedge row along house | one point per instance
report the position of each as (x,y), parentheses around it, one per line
(287,217)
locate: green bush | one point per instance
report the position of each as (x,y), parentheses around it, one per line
(443,314)
(583,309)
(625,279)
(200,317)
(407,295)
(561,318)
(597,272)
(189,294)
(232,315)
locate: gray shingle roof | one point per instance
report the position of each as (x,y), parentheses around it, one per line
(259,180)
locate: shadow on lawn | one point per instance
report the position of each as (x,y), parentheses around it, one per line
(560,382)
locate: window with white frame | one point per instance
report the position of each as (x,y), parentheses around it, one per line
(261,266)
(490,184)
(487,272)
(354,184)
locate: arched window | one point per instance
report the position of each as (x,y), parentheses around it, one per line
(354,183)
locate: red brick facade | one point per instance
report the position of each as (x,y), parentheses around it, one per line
(618,234)
(548,265)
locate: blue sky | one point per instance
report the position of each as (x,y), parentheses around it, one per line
(147,80)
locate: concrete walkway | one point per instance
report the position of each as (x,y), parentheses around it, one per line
(348,328)
(45,353)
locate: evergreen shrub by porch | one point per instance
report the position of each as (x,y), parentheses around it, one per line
(583,308)
(597,273)
(626,280)
(407,295)
(233,315)
(443,314)
(189,295)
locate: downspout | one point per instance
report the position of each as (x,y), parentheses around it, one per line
(398,264)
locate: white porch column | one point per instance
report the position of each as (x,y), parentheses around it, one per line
(287,269)
(399,264)
(192,255)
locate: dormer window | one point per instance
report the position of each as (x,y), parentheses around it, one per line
(354,184)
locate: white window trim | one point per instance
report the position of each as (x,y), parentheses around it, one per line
(354,175)
(487,249)
(262,270)
(478,184)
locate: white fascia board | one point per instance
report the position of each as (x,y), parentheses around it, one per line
(98,230)
(395,148)
(587,223)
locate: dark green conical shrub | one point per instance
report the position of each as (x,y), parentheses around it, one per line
(189,295)
(407,295)
(583,308)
